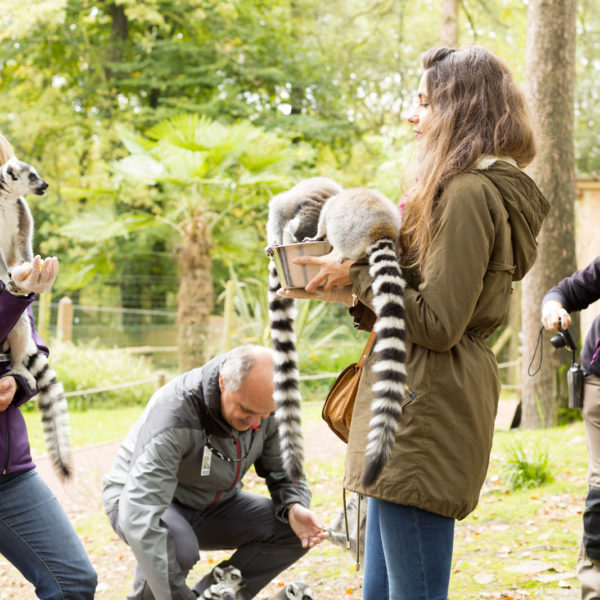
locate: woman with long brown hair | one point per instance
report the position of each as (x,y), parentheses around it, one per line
(469,228)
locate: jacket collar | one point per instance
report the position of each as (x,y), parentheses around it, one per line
(209,400)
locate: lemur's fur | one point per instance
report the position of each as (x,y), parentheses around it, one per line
(228,575)
(293,216)
(299,590)
(219,591)
(226,581)
(357,223)
(356,518)
(16,232)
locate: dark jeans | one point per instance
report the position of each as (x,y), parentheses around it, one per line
(408,553)
(265,546)
(37,537)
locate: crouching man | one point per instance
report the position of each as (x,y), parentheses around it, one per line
(175,486)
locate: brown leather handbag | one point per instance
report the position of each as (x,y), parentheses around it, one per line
(339,404)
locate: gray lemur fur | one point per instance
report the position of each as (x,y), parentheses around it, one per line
(226,581)
(219,591)
(229,575)
(293,216)
(16,233)
(357,521)
(362,223)
(299,590)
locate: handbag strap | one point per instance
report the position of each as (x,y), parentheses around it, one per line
(367,349)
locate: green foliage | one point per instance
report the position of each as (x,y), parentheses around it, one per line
(526,470)
(326,341)
(332,80)
(86,366)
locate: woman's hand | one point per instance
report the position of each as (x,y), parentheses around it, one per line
(341,295)
(8,389)
(332,273)
(37,276)
(552,311)
(331,284)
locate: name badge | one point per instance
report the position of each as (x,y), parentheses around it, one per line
(206,458)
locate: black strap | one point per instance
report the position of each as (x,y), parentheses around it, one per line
(541,347)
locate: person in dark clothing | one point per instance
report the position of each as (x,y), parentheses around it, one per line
(576,293)
(175,487)
(31,519)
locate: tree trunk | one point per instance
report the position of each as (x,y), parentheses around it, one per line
(195,294)
(449,34)
(550,76)
(118,37)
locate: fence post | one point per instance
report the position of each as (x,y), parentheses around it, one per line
(161,379)
(64,321)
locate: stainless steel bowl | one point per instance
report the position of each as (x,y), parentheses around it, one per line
(296,276)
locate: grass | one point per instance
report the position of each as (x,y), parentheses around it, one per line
(520,544)
(95,426)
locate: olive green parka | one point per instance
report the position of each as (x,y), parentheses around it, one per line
(483,241)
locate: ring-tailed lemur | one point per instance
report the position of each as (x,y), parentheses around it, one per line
(229,575)
(354,514)
(293,216)
(219,591)
(299,590)
(226,579)
(360,222)
(16,232)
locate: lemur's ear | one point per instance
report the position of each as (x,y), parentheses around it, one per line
(10,171)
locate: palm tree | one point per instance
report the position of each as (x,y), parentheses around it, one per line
(205,169)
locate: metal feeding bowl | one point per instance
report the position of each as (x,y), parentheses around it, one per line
(296,276)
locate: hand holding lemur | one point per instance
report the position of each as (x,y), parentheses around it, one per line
(37,276)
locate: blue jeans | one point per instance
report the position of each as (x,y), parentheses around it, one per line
(408,553)
(37,537)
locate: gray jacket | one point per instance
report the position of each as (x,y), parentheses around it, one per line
(161,459)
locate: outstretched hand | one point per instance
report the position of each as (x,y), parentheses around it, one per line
(37,276)
(306,525)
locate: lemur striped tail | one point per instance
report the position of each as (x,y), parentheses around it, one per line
(390,356)
(282,312)
(55,417)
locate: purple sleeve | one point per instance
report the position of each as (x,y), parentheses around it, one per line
(11,309)
(579,290)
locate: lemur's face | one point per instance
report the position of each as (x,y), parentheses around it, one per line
(22,178)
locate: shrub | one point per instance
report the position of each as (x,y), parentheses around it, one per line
(86,366)
(523,471)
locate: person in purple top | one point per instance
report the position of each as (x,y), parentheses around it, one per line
(36,535)
(576,293)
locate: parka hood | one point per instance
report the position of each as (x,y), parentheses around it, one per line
(526,207)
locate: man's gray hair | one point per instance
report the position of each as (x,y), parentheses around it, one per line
(237,363)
